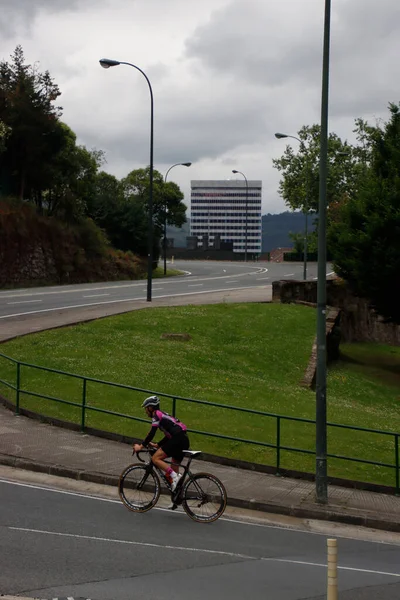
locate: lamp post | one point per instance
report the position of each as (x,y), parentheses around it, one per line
(247,200)
(279,136)
(106,63)
(187,164)
(321,479)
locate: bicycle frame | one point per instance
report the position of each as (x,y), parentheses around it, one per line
(150,466)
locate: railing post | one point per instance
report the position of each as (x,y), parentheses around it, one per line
(278,444)
(18,385)
(83,405)
(174,407)
(396,446)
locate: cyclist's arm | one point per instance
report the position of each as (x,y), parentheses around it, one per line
(150,435)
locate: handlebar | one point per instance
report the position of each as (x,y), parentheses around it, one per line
(147,450)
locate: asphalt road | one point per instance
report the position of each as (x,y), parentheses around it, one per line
(58,544)
(200,277)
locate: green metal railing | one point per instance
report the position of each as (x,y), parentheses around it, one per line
(276,445)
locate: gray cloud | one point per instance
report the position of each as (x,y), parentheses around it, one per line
(255,44)
(17,15)
(226,74)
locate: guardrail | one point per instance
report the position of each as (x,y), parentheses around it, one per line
(279,419)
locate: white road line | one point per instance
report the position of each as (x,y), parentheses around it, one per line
(262,278)
(195,284)
(73,291)
(77,290)
(311,564)
(289,275)
(24,302)
(33,312)
(233,281)
(226,519)
(43,310)
(95,295)
(131,542)
(194,549)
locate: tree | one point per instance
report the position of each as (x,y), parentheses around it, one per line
(298,242)
(27,108)
(365,236)
(167,199)
(67,187)
(299,186)
(4,133)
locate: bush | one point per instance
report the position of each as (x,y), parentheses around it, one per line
(35,249)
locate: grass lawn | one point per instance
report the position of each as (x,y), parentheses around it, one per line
(248,355)
(159,272)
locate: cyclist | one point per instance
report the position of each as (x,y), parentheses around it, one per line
(175,440)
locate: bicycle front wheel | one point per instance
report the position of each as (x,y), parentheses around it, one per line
(204,498)
(139,488)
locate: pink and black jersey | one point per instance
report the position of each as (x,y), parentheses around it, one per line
(170,426)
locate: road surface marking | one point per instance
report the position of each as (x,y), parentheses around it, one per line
(262,278)
(77,290)
(200,550)
(289,275)
(195,284)
(42,310)
(131,542)
(95,295)
(24,302)
(237,521)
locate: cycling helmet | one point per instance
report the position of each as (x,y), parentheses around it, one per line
(151,401)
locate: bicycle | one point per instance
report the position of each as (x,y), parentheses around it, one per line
(202,495)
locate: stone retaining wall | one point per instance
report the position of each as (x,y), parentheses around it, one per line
(358,322)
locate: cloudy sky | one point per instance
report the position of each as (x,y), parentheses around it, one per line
(226,75)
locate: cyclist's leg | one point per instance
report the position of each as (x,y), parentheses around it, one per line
(175,464)
(172,447)
(158,459)
(182,443)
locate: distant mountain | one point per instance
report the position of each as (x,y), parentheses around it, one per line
(275,230)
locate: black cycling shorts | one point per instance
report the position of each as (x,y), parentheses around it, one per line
(174,446)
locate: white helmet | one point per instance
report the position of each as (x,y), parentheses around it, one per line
(151,401)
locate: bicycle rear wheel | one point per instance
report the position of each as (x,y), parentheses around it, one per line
(139,488)
(204,498)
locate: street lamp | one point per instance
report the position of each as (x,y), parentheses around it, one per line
(280,136)
(321,478)
(106,63)
(247,199)
(187,164)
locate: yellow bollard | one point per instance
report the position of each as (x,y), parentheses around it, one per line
(332,592)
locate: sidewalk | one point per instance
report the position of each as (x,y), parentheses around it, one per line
(29,444)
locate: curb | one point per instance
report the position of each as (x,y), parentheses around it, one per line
(220,460)
(322,513)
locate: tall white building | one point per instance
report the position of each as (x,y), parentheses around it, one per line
(218,208)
